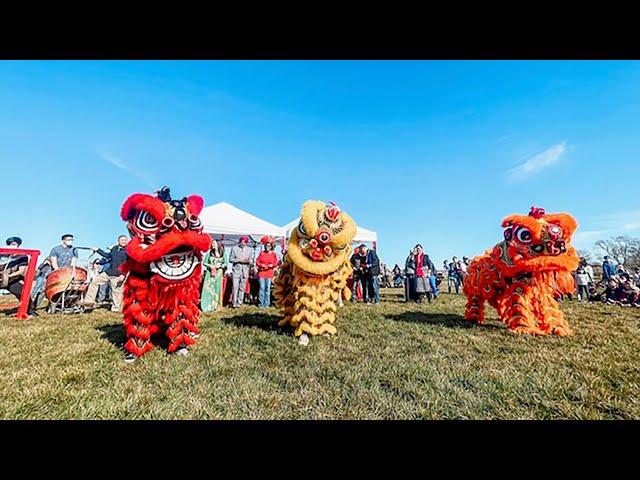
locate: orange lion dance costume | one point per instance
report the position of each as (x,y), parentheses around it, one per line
(162,289)
(315,270)
(520,276)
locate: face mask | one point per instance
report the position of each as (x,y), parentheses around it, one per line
(69,243)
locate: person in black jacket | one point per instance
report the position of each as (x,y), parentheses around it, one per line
(112,275)
(357,274)
(370,269)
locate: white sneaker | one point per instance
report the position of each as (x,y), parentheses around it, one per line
(303,340)
(183,351)
(130,357)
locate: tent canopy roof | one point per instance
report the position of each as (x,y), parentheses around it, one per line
(225,219)
(362,234)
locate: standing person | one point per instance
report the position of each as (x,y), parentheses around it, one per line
(370,265)
(608,269)
(452,275)
(410,273)
(213,266)
(462,269)
(423,268)
(357,274)
(266,263)
(240,260)
(582,283)
(64,255)
(112,275)
(397,276)
(433,281)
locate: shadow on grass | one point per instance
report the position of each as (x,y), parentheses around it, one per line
(445,319)
(114,334)
(265,322)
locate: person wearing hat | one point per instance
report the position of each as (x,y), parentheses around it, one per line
(240,260)
(266,264)
(12,271)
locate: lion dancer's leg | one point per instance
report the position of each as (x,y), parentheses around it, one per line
(314,311)
(283,291)
(516,310)
(551,318)
(139,317)
(181,313)
(474,308)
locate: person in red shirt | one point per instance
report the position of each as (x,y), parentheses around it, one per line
(266,263)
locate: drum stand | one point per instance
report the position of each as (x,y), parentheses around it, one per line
(70,300)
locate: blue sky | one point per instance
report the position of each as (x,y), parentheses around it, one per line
(429,152)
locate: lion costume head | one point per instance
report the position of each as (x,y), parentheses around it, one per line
(167,236)
(320,243)
(539,241)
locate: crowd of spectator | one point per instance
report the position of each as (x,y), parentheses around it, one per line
(619,285)
(237,276)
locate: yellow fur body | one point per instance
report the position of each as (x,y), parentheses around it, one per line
(308,290)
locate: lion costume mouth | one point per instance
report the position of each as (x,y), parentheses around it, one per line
(176,265)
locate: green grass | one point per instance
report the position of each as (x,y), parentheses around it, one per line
(390,361)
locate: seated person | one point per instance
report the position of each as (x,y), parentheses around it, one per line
(43,270)
(611,291)
(12,271)
(628,293)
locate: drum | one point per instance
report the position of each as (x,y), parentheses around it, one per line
(63,279)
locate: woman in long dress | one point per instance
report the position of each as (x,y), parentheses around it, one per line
(213,266)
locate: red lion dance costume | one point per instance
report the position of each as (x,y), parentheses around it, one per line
(162,289)
(520,276)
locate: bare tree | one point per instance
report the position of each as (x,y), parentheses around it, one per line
(587,255)
(623,249)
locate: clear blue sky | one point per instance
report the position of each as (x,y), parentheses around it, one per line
(428,152)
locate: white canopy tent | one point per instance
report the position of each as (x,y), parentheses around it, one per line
(362,234)
(224,221)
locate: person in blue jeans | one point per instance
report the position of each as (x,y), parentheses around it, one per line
(452,275)
(433,283)
(370,269)
(266,264)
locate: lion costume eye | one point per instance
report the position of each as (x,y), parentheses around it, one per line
(301,229)
(146,222)
(523,235)
(555,231)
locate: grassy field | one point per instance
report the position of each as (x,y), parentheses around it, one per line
(389,361)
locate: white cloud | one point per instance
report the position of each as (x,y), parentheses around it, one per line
(626,221)
(120,164)
(538,162)
(607,226)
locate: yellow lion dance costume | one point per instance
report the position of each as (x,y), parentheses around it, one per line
(315,270)
(520,276)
